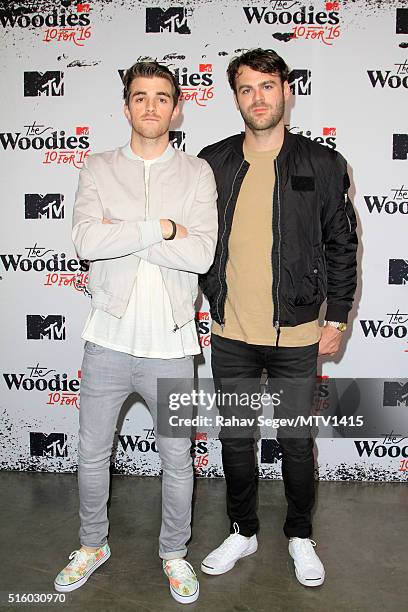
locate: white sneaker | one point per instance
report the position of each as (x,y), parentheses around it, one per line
(309,569)
(183,582)
(223,558)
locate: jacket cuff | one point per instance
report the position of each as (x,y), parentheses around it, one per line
(150,232)
(337,312)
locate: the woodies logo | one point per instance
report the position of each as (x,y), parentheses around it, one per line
(196,85)
(59,388)
(58,146)
(173,20)
(200,452)
(393,446)
(70,23)
(59,270)
(49,83)
(138,443)
(48,206)
(398,272)
(290,21)
(394,326)
(327,135)
(203,324)
(394,204)
(394,77)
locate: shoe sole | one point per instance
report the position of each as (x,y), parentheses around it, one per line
(185,599)
(217,572)
(310,583)
(66,588)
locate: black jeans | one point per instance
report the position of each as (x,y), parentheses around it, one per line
(235,359)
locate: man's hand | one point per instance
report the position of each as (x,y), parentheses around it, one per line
(167,229)
(106,220)
(330,341)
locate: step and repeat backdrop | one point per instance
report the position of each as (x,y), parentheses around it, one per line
(61,69)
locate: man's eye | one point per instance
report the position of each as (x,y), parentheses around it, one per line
(163,100)
(139,99)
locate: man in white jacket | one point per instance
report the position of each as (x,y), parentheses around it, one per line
(145,216)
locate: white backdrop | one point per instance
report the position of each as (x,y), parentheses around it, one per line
(61,99)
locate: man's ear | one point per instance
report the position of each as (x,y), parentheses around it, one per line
(236,101)
(127,113)
(176,112)
(286,91)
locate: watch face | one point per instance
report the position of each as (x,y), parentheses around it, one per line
(342,327)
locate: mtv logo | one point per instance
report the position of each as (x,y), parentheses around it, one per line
(329,131)
(271,451)
(49,206)
(50,83)
(205,68)
(48,445)
(300,82)
(398,272)
(83,8)
(178,139)
(202,316)
(332,6)
(401,21)
(173,19)
(82,130)
(400,146)
(51,327)
(395,393)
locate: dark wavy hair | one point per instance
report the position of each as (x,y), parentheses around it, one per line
(149,69)
(261,60)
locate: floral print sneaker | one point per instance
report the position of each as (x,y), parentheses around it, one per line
(184,585)
(82,565)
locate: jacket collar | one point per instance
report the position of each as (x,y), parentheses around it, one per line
(289,139)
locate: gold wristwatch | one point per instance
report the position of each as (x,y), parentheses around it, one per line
(340,326)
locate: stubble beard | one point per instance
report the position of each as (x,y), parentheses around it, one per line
(264,123)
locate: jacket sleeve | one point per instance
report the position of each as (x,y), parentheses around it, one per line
(340,242)
(195,253)
(96,240)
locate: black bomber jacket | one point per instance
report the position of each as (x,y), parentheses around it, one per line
(314,239)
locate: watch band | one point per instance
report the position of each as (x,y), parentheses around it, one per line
(337,324)
(174,232)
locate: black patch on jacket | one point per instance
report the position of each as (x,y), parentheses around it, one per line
(303,183)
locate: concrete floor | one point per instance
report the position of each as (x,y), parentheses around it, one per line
(361,530)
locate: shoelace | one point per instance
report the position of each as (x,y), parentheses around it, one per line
(77,557)
(231,544)
(182,567)
(307,552)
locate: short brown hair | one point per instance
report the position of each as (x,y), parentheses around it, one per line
(261,60)
(149,69)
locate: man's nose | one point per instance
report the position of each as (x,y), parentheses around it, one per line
(151,105)
(258,95)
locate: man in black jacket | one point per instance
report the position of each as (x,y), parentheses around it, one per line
(286,242)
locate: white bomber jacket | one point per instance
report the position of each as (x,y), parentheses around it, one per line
(112,186)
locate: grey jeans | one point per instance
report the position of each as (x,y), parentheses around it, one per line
(107,379)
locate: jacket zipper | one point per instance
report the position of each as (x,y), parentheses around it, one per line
(277,317)
(345,211)
(222,322)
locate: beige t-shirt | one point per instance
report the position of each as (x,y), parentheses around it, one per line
(249,306)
